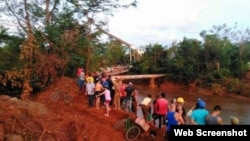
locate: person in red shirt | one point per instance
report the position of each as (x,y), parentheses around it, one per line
(122,95)
(79,70)
(155,116)
(162,109)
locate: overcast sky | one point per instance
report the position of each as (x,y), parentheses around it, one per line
(164,21)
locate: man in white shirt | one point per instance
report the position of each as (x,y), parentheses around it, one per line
(90,91)
(146,107)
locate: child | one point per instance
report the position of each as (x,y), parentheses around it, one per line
(107,95)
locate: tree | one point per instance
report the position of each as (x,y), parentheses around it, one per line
(185,64)
(220,43)
(46,26)
(115,52)
(9,50)
(152,57)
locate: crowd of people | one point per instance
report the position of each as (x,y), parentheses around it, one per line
(102,91)
(161,112)
(173,112)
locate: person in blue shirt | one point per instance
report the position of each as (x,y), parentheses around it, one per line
(198,116)
(173,118)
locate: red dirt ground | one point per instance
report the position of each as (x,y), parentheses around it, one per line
(40,119)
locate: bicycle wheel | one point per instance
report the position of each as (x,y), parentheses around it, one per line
(133,133)
(67,98)
(121,124)
(55,96)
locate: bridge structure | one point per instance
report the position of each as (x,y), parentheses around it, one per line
(134,53)
(152,78)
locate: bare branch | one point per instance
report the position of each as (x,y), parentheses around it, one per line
(18,20)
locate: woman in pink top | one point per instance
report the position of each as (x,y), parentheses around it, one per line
(107,95)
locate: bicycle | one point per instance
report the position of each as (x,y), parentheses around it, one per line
(133,130)
(58,94)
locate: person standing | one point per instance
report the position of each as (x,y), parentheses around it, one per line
(89,77)
(155,116)
(90,92)
(135,95)
(104,83)
(117,99)
(96,76)
(111,88)
(98,90)
(162,109)
(180,107)
(107,96)
(79,70)
(196,106)
(198,116)
(128,100)
(81,79)
(214,118)
(122,95)
(173,117)
(146,107)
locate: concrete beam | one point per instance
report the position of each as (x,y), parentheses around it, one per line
(142,76)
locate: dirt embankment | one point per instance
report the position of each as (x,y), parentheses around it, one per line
(42,119)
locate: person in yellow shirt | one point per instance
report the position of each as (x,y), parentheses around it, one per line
(90,78)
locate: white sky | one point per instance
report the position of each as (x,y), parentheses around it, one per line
(165,21)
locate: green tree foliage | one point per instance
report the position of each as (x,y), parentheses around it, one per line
(58,35)
(9,51)
(185,64)
(216,62)
(153,58)
(9,63)
(115,52)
